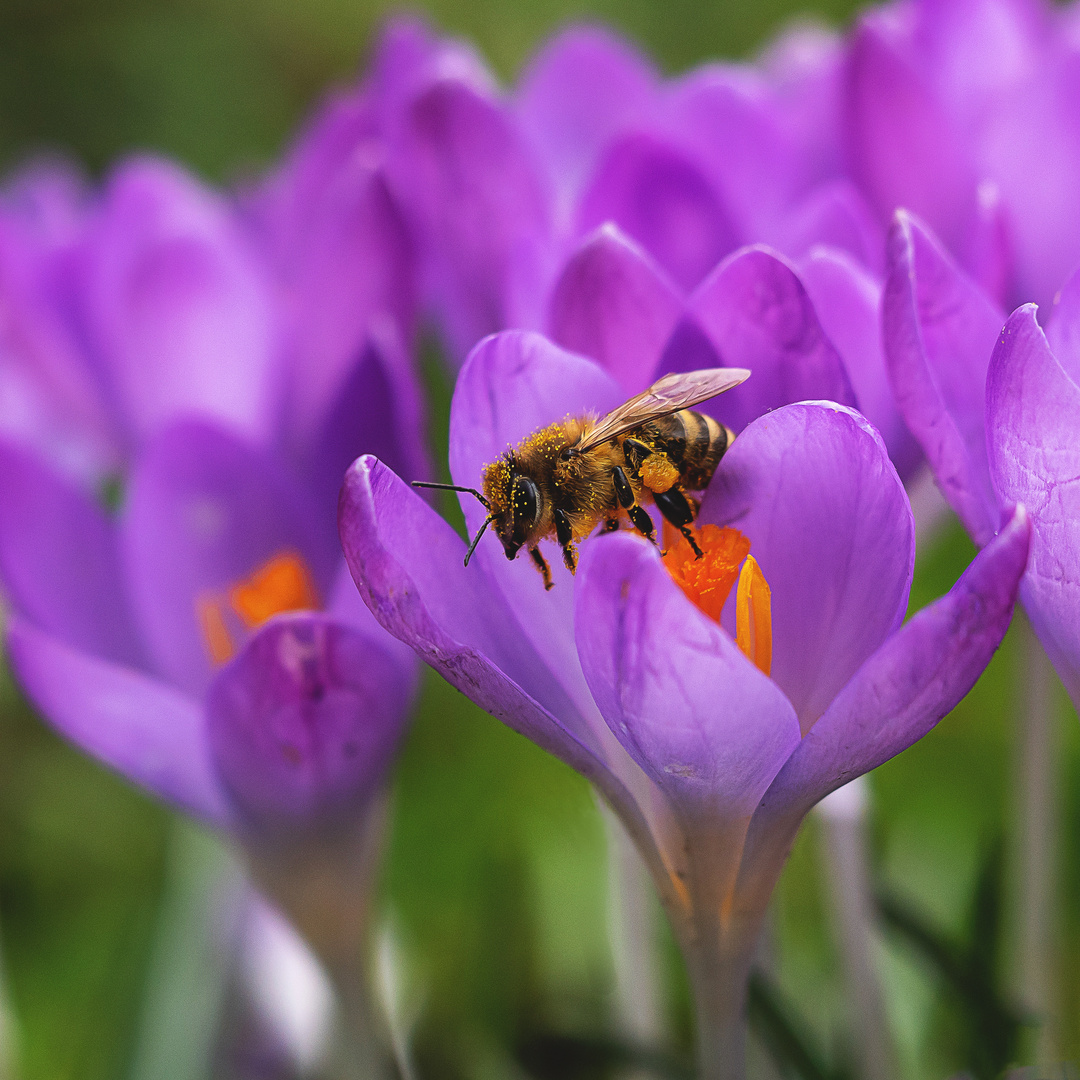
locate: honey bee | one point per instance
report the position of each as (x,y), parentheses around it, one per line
(565,479)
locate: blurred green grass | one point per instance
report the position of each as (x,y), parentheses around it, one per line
(496,865)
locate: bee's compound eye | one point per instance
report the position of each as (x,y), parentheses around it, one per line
(526,500)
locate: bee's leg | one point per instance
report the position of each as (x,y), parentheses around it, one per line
(635,452)
(674,506)
(564,533)
(638,515)
(542,566)
(610,526)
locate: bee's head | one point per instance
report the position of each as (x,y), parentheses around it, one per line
(515,503)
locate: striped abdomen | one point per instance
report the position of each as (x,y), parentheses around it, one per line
(693,441)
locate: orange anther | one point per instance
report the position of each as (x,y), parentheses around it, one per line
(219,643)
(706,581)
(282,583)
(753,616)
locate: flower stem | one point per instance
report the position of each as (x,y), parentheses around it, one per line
(633,914)
(718,978)
(843,815)
(1034,870)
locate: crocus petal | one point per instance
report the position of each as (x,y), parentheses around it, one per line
(144,729)
(812,488)
(513,384)
(205,510)
(578,90)
(49,396)
(177,305)
(915,679)
(463,172)
(377,410)
(848,302)
(1063,327)
(834,214)
(59,559)
(1033,416)
(756,313)
(352,274)
(614,304)
(728,117)
(939,330)
(709,728)
(661,197)
(304,722)
(904,151)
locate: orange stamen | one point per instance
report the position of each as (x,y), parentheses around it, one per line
(282,583)
(219,643)
(753,616)
(706,581)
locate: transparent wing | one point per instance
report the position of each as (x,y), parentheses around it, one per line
(682,390)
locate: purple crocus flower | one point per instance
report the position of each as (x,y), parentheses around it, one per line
(947,104)
(710,762)
(994,408)
(203,637)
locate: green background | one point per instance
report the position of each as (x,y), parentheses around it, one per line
(496,872)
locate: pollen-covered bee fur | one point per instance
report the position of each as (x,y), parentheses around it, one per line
(563,480)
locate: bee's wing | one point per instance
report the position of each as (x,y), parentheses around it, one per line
(668,395)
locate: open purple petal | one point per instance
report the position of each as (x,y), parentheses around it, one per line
(144,729)
(377,410)
(811,486)
(915,679)
(834,214)
(577,92)
(1063,327)
(756,313)
(904,149)
(177,305)
(709,728)
(49,396)
(304,722)
(464,175)
(1032,417)
(729,117)
(848,303)
(660,197)
(59,560)
(203,512)
(613,304)
(513,384)
(939,330)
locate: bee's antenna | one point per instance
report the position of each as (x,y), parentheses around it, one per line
(476,539)
(453,487)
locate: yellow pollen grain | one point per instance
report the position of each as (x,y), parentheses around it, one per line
(707,581)
(219,643)
(753,616)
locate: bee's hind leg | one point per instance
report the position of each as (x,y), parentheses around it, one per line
(674,505)
(542,566)
(637,513)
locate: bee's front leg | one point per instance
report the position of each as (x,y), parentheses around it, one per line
(638,515)
(542,566)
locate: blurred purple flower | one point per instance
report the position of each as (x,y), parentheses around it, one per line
(710,763)
(204,638)
(964,112)
(995,411)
